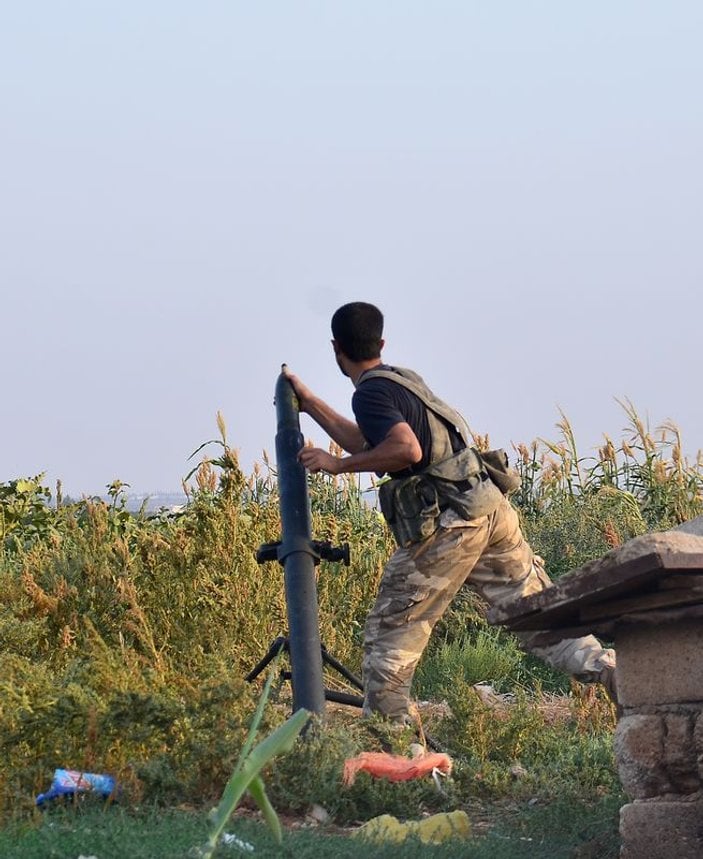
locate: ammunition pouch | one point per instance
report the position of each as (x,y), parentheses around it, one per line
(495,462)
(468,482)
(410,505)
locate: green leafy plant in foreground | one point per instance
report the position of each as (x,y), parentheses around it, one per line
(246,775)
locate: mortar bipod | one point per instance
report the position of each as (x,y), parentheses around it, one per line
(318,549)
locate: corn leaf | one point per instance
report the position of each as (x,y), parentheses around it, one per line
(281,740)
(258,715)
(257,789)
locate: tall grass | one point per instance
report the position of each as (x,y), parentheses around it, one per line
(125,638)
(576,507)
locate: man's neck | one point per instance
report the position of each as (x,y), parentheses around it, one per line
(356,368)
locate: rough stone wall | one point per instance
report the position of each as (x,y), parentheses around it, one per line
(659,740)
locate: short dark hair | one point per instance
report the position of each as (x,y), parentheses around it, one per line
(358,327)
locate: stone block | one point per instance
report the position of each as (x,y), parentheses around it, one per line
(660,664)
(680,759)
(656,755)
(638,744)
(656,829)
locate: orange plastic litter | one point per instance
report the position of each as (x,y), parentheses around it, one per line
(395,767)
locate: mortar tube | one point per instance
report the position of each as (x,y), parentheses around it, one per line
(297,555)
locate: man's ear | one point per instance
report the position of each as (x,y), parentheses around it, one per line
(381,344)
(335,346)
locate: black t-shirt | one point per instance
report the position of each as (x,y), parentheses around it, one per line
(379,404)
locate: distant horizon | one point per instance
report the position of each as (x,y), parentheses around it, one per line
(139,492)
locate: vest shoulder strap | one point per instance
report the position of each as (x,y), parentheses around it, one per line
(413,382)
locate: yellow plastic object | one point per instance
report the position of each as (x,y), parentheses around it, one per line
(441,827)
(432,830)
(383,828)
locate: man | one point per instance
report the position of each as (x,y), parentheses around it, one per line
(451,521)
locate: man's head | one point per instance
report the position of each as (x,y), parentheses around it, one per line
(357,329)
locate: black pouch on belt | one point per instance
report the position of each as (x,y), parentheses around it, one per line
(411,508)
(495,462)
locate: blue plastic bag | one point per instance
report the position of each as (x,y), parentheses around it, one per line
(71,782)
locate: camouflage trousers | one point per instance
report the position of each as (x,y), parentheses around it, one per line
(490,555)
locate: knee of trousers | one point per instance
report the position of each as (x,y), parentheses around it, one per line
(384,635)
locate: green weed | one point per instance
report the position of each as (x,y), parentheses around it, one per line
(125,637)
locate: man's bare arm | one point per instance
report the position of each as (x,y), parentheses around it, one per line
(398,450)
(342,430)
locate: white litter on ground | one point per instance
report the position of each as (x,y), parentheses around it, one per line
(232,840)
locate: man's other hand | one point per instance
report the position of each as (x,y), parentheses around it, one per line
(315,459)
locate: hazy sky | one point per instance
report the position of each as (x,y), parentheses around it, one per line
(189,190)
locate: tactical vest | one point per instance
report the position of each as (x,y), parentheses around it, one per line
(436,409)
(452,480)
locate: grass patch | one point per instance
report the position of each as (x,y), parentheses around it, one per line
(567,828)
(482,654)
(528,749)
